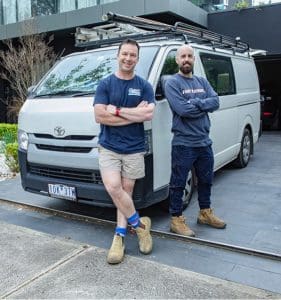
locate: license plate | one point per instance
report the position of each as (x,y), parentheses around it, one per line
(62,191)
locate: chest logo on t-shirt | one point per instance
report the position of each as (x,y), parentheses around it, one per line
(192,91)
(134,92)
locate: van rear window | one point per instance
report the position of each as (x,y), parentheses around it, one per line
(219,72)
(81,73)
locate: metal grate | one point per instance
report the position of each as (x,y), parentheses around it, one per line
(63,173)
(64,148)
(69,137)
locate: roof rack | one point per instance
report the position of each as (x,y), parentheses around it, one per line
(116,27)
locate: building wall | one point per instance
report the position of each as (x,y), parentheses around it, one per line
(90,15)
(259,26)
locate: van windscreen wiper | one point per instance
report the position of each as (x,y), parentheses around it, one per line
(83,94)
(73,93)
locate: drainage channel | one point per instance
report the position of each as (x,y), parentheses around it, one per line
(156,233)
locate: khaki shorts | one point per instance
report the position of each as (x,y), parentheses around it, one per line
(130,165)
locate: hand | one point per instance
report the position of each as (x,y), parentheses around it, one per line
(111,109)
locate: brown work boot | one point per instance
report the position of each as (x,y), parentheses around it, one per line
(144,236)
(179,226)
(116,251)
(206,216)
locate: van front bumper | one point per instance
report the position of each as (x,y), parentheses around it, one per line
(35,178)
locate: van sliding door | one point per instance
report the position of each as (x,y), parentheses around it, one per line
(218,70)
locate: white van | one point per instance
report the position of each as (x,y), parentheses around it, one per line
(58,135)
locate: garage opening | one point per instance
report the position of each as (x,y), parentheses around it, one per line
(269,72)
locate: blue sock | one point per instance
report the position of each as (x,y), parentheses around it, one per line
(134,220)
(121,231)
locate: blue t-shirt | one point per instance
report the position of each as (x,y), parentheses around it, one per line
(126,139)
(191,99)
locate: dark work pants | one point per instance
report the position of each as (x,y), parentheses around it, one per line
(183,158)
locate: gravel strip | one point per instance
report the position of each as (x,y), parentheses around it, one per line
(4,170)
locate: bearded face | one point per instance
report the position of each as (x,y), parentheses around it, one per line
(185,60)
(186,68)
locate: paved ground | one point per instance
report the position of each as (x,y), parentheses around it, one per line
(36,265)
(246,198)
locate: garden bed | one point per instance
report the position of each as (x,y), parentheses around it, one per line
(5,172)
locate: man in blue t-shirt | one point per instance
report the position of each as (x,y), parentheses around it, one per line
(123,101)
(191,98)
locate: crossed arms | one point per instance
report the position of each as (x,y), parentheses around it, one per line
(194,107)
(106,114)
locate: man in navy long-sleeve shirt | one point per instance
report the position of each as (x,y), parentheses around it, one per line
(191,98)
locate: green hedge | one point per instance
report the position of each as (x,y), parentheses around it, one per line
(9,145)
(11,154)
(8,132)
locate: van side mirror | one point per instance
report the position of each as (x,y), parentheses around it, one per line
(160,89)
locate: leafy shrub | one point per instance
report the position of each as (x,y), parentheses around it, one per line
(8,132)
(241,4)
(11,156)
(9,145)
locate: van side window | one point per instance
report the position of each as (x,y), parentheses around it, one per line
(170,67)
(219,72)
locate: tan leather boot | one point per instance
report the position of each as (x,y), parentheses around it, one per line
(206,216)
(144,236)
(116,251)
(179,226)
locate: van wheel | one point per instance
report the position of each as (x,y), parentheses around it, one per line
(187,193)
(243,157)
(188,190)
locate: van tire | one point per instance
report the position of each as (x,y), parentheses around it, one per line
(244,155)
(187,194)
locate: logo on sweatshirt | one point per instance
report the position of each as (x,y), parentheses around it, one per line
(134,92)
(192,91)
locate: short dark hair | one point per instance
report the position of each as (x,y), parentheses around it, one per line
(129,41)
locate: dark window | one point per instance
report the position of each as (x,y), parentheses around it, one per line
(170,66)
(219,72)
(43,7)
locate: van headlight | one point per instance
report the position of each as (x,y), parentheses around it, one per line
(22,140)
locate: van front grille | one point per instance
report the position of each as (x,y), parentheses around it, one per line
(64,148)
(69,137)
(63,173)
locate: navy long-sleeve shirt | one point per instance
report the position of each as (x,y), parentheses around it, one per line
(190,100)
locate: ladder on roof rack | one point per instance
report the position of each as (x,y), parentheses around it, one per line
(107,31)
(117,27)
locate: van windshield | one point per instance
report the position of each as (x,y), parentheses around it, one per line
(80,74)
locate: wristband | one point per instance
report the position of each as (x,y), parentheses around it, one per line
(117,111)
